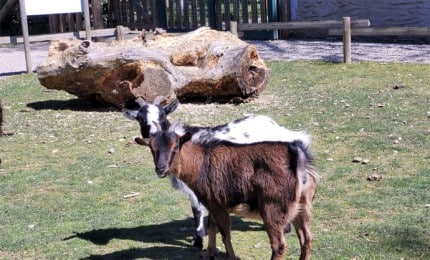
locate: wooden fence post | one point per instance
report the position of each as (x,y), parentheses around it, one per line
(233,28)
(26,36)
(119,33)
(346,39)
(87,20)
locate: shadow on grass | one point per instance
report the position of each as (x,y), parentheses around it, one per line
(156,252)
(169,233)
(82,105)
(406,240)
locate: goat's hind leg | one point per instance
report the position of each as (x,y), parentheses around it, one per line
(302,224)
(275,222)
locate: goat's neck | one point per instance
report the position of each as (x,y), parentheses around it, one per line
(187,163)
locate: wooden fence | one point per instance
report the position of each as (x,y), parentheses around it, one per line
(74,22)
(186,15)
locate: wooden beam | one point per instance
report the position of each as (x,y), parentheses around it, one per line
(329,24)
(80,35)
(388,31)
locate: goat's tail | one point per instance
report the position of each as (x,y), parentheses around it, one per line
(301,163)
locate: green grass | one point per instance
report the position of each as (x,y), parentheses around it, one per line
(65,170)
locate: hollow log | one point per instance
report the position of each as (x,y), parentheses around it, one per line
(204,64)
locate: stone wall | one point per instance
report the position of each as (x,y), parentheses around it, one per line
(381,13)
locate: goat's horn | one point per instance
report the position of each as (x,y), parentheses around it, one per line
(158,99)
(158,126)
(141,102)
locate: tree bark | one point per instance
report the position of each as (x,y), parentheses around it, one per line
(203,64)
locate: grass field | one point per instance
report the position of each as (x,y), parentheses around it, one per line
(66,169)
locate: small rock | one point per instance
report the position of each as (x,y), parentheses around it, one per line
(31,226)
(427,205)
(357,159)
(365,161)
(258,245)
(398,86)
(374,177)
(330,159)
(111,151)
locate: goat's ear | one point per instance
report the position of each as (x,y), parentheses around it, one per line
(169,108)
(157,100)
(177,128)
(130,114)
(185,138)
(141,102)
(142,141)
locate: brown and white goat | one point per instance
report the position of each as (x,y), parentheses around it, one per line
(247,130)
(274,180)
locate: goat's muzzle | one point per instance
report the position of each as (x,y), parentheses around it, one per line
(162,171)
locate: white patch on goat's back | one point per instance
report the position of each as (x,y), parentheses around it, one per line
(179,130)
(252,129)
(152,118)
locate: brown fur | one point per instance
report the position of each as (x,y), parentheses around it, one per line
(249,179)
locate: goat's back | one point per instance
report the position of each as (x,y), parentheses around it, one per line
(235,174)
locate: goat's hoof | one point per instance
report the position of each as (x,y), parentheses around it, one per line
(205,255)
(209,254)
(198,243)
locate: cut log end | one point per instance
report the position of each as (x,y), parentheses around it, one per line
(253,75)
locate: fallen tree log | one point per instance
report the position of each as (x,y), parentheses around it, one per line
(204,64)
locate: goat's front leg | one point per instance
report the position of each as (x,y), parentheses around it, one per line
(198,214)
(212,230)
(222,220)
(197,208)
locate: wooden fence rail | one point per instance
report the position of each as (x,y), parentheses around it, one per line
(346,24)
(112,32)
(388,31)
(329,24)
